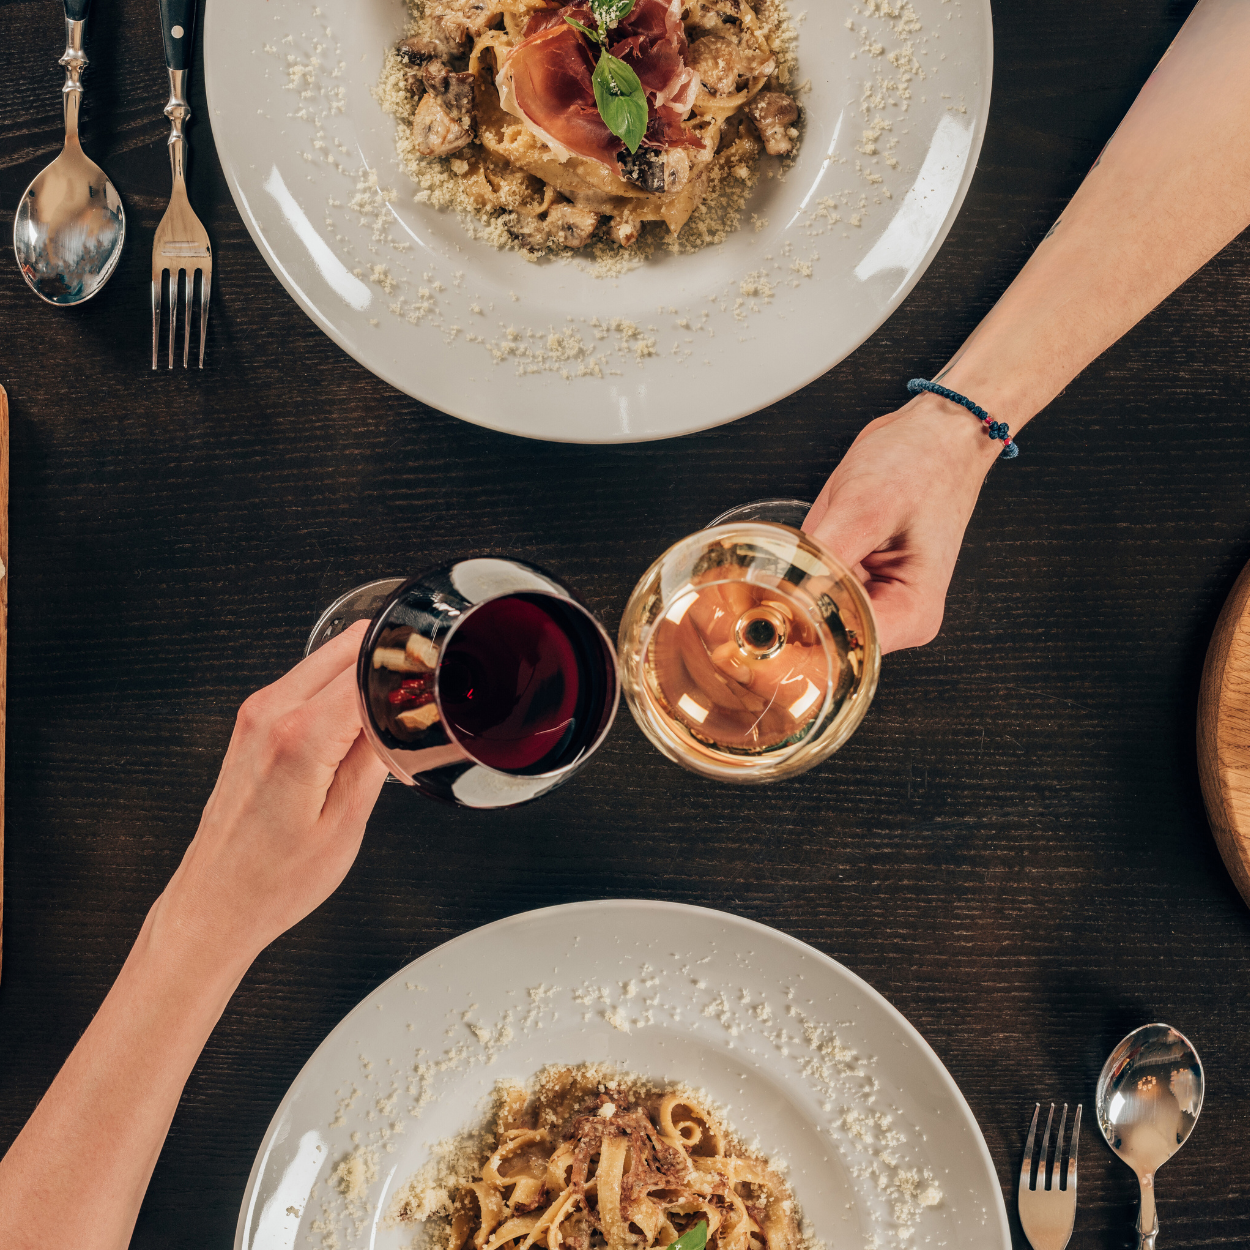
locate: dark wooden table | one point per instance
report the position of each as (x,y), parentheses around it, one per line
(1012,848)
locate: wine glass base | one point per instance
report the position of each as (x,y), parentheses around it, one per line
(361,604)
(791,512)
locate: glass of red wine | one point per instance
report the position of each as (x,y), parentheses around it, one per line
(483,682)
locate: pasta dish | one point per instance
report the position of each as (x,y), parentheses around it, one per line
(563,123)
(585,1161)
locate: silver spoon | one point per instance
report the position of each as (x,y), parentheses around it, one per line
(70,225)
(1148,1099)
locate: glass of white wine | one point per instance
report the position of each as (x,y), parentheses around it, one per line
(748,651)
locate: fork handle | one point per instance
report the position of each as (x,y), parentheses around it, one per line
(76,10)
(177,29)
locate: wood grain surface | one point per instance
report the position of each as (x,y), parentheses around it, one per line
(1224,733)
(1012,848)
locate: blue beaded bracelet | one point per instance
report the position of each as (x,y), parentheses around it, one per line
(995,429)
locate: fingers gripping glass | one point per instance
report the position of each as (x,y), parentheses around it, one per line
(483,682)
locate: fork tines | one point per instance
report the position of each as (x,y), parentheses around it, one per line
(1048,1177)
(1047,1204)
(178,261)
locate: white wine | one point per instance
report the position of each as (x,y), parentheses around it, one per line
(748,652)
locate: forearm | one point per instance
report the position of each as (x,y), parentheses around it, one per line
(77,1173)
(1171,189)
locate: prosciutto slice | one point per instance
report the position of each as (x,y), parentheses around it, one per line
(546,79)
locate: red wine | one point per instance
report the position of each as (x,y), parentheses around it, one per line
(525,683)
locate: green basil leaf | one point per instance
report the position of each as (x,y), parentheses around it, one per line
(609,12)
(590,34)
(692,1239)
(622,103)
(621,79)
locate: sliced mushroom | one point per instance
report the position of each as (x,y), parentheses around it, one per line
(728,131)
(531,232)
(566,225)
(418,49)
(714,14)
(435,133)
(624,230)
(655,170)
(773,112)
(721,62)
(715,59)
(454,92)
(463,19)
(570,226)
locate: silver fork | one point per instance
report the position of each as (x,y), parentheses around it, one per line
(1048,1212)
(181,247)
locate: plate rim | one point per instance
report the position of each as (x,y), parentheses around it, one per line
(913,1034)
(387,375)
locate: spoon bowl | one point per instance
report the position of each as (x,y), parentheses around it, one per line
(69,228)
(1148,1100)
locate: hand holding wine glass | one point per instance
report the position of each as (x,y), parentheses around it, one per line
(286,817)
(278,834)
(896,508)
(1169,190)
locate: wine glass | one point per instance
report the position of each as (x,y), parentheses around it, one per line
(483,682)
(748,651)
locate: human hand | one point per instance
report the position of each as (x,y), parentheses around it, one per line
(896,508)
(286,817)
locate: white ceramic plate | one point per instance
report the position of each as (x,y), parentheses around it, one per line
(802,1054)
(681,343)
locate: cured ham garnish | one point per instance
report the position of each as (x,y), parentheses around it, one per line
(545,80)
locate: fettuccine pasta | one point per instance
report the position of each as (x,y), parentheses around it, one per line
(584,1163)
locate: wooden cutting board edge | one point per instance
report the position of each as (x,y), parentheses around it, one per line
(4,628)
(1224,733)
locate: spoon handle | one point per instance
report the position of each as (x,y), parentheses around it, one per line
(1147,1217)
(75,61)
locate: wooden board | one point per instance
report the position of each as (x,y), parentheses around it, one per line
(4,626)
(1224,733)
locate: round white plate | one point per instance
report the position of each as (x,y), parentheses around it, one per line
(548,350)
(806,1059)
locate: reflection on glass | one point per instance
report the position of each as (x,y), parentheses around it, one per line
(483,682)
(748,651)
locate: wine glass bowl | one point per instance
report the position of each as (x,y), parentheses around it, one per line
(483,682)
(748,652)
